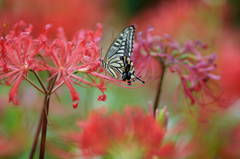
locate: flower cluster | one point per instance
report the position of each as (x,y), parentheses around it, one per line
(194,70)
(63,59)
(16,56)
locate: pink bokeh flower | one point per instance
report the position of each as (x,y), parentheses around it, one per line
(144,50)
(195,71)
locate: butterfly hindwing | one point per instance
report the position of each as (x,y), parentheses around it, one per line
(123,44)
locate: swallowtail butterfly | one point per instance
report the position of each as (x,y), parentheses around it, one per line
(117,60)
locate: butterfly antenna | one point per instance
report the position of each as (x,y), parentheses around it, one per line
(100,56)
(112,36)
(101,52)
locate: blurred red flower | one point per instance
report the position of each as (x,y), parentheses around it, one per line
(230,69)
(130,134)
(168,17)
(71,14)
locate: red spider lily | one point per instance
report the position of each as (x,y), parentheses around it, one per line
(194,72)
(16,50)
(193,69)
(80,55)
(130,134)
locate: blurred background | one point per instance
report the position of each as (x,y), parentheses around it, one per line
(215,22)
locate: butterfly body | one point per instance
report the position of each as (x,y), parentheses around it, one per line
(117,60)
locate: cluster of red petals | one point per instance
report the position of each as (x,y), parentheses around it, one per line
(102,132)
(81,55)
(17,50)
(19,53)
(62,58)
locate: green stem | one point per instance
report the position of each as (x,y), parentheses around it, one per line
(159,88)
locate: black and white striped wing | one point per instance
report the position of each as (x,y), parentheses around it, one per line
(114,66)
(123,44)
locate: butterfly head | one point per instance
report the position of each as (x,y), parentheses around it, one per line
(103,63)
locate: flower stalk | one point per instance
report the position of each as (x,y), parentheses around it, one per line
(44,127)
(45,117)
(159,87)
(37,134)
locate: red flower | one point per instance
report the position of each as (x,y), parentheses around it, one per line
(193,69)
(102,88)
(131,134)
(79,55)
(17,49)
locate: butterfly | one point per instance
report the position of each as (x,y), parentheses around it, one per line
(117,59)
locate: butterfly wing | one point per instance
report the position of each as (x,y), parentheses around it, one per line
(117,60)
(114,66)
(123,44)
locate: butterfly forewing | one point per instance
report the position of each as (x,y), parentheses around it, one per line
(123,44)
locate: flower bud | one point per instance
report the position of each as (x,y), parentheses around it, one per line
(162,117)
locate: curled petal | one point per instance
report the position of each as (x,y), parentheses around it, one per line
(74,94)
(75,97)
(101,86)
(102,97)
(14,90)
